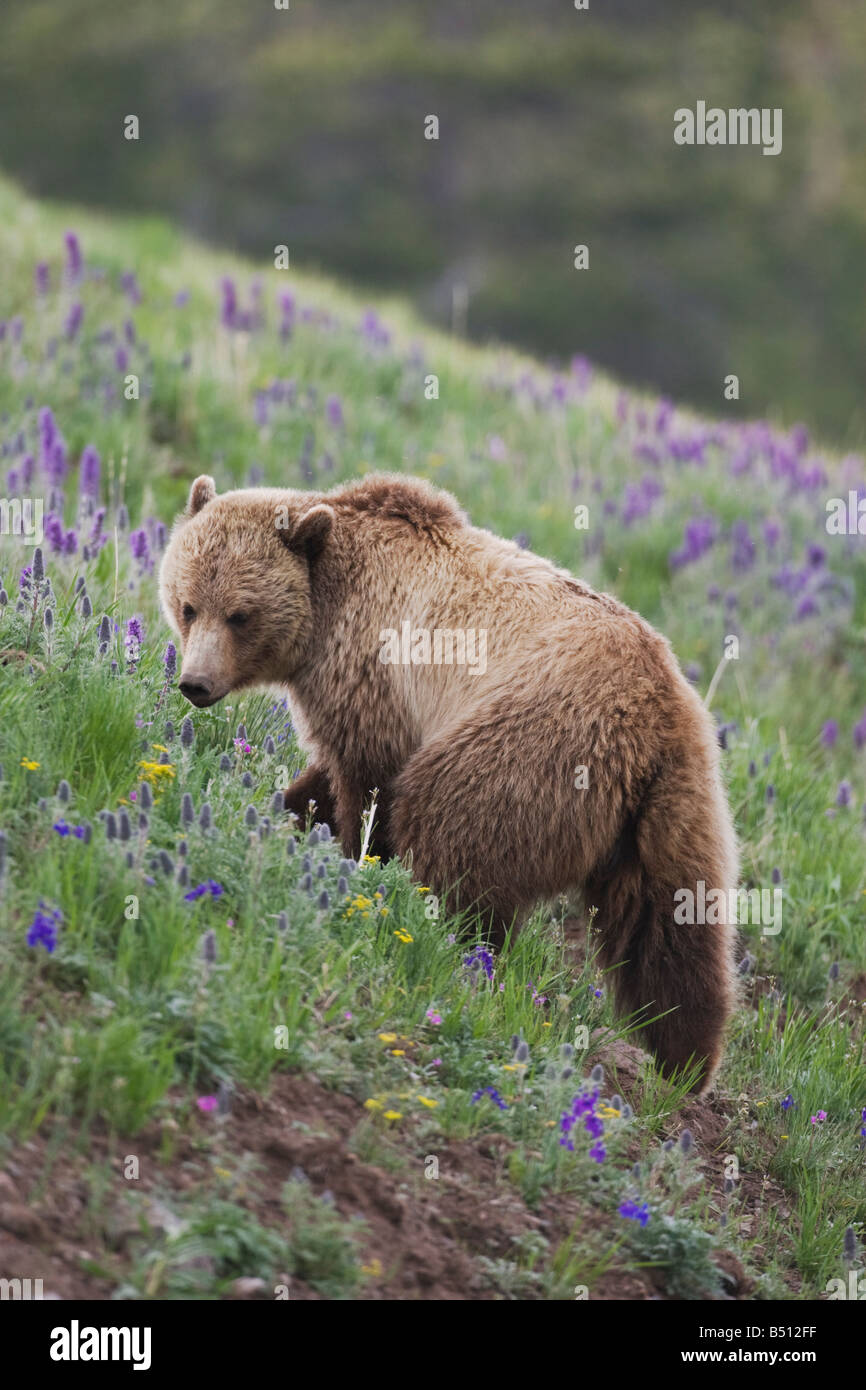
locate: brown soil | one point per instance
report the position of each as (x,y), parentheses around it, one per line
(422,1239)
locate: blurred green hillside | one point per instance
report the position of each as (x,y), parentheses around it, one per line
(305,126)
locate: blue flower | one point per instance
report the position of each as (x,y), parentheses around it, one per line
(43,928)
(482,959)
(632,1212)
(494,1095)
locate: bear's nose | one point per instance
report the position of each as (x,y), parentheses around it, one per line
(197,689)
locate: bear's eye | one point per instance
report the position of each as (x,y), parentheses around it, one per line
(188,613)
(238,619)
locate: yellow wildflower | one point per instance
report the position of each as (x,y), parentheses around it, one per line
(155,772)
(374,1268)
(370,859)
(403,936)
(393,1115)
(372,1104)
(431,1104)
(398,1052)
(387,1037)
(29,764)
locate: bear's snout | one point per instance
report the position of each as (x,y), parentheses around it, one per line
(198,690)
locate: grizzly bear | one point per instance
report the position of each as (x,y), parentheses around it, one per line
(564,751)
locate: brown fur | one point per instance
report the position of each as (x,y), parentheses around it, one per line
(475,771)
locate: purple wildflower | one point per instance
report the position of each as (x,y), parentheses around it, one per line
(632,1212)
(215,889)
(43,928)
(494,1095)
(482,959)
(88,472)
(74,259)
(133,640)
(140,547)
(229,311)
(74,320)
(129,285)
(829,733)
(42,278)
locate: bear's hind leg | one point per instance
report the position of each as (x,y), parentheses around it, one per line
(681,836)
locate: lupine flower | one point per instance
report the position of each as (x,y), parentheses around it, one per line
(74,259)
(480,959)
(843,794)
(129,285)
(582,1108)
(187,733)
(494,1095)
(229,310)
(216,890)
(632,1212)
(88,472)
(334,412)
(133,640)
(44,927)
(140,547)
(42,277)
(169,661)
(74,320)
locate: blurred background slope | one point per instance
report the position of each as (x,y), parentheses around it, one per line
(556,128)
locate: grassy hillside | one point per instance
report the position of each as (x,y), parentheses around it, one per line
(306,127)
(229,1054)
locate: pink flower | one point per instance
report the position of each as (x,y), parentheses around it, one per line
(819,1118)
(433,1016)
(207,1103)
(437,1063)
(347,1014)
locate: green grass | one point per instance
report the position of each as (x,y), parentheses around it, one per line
(151,1002)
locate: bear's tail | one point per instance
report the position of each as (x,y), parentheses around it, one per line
(680,841)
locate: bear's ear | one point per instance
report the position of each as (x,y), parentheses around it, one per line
(202,491)
(310,531)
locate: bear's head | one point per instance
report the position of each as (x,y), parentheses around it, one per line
(235,585)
